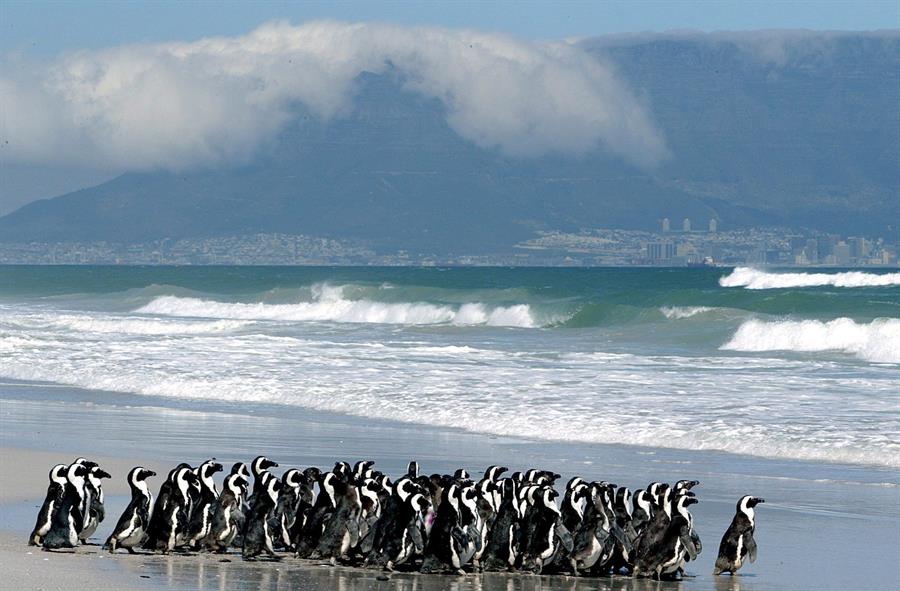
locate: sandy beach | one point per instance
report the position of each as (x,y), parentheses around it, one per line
(824,526)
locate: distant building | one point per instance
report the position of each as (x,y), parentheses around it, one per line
(661,251)
(841,254)
(666,225)
(686,225)
(859,248)
(713,226)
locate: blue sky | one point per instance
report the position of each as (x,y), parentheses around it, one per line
(46,28)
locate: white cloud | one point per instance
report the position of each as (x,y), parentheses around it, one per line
(177,105)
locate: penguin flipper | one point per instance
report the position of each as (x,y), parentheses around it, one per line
(565,536)
(688,543)
(750,544)
(697,543)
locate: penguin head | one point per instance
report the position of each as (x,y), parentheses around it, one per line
(683,485)
(138,475)
(292,478)
(361,467)
(342,470)
(461,476)
(748,502)
(241,469)
(87,463)
(173,473)
(573,482)
(412,469)
(687,500)
(210,467)
(76,473)
(261,464)
(97,473)
(58,474)
(494,472)
(312,474)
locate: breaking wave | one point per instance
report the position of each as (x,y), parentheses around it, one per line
(878,341)
(756,279)
(679,312)
(330,305)
(145,326)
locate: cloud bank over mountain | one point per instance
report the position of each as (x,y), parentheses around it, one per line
(217,100)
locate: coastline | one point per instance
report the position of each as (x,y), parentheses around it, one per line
(42,424)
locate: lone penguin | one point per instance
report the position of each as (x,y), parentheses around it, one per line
(738,544)
(131,529)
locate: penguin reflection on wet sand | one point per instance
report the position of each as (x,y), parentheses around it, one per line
(738,543)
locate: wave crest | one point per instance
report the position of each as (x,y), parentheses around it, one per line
(330,305)
(878,341)
(755,279)
(679,312)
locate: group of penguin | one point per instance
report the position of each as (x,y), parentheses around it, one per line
(359,516)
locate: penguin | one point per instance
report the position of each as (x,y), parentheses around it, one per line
(52,501)
(656,528)
(667,554)
(285,513)
(572,510)
(131,529)
(227,519)
(241,469)
(398,516)
(204,506)
(257,536)
(259,467)
(68,517)
(594,541)
(170,517)
(447,539)
(502,549)
(86,493)
(642,511)
(341,531)
(738,543)
(410,541)
(540,539)
(96,511)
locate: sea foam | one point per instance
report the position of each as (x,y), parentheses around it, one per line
(877,341)
(330,305)
(750,278)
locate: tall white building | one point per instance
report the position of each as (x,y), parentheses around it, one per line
(713,226)
(666,225)
(686,225)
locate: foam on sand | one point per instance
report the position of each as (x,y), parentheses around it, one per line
(877,341)
(750,278)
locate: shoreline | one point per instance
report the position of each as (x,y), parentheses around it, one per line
(43,424)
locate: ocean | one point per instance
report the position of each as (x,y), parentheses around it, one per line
(768,363)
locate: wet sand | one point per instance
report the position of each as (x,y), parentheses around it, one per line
(824,526)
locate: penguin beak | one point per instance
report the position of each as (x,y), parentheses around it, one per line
(691,501)
(102,474)
(759,501)
(217,467)
(149,473)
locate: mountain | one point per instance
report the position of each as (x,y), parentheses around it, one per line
(797,130)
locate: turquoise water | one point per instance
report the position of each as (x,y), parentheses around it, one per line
(777,364)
